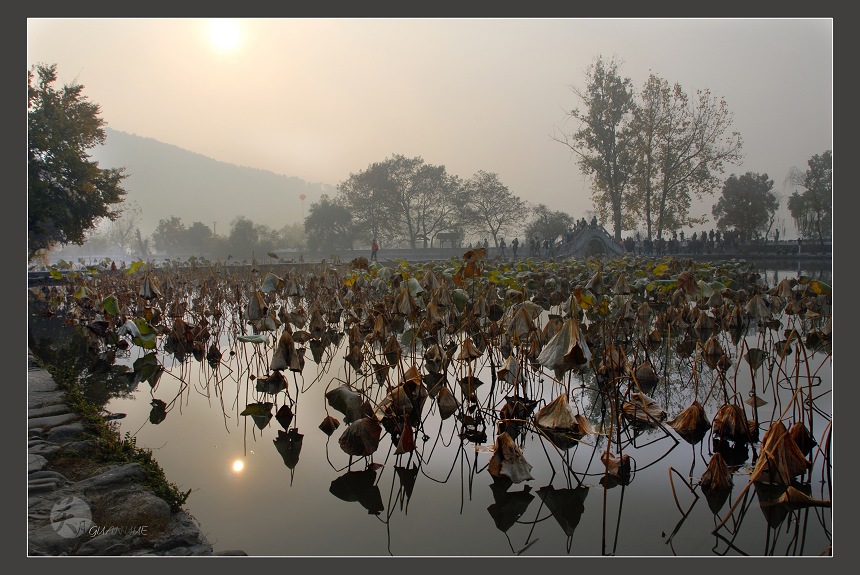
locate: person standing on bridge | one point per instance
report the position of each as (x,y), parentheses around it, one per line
(374,248)
(514,245)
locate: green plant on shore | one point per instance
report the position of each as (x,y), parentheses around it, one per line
(111,447)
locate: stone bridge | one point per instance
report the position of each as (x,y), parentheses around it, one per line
(589,241)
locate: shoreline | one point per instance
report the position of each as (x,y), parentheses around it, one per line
(93,507)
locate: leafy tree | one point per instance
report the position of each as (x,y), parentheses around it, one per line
(438,203)
(548,224)
(748,205)
(197,238)
(243,238)
(602,141)
(293,235)
(328,225)
(267,239)
(67,193)
(371,200)
(403,199)
(492,209)
(812,210)
(170,236)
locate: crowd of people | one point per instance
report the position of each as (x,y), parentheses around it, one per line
(712,242)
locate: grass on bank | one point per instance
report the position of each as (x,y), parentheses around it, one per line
(110,446)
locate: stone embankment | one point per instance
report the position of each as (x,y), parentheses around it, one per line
(106,510)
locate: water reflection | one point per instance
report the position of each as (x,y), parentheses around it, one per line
(425,417)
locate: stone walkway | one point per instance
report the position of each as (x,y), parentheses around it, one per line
(59,511)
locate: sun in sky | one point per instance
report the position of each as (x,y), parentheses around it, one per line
(224,35)
(238,466)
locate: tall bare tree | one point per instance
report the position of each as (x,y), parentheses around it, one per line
(680,149)
(602,141)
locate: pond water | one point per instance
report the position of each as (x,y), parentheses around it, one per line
(259,490)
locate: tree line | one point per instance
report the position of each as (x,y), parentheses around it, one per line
(648,154)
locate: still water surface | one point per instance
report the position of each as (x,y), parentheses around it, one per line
(440,500)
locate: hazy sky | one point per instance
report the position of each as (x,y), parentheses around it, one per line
(322,98)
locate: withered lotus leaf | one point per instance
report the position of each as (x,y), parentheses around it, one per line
(447,403)
(567,349)
(566,505)
(643,409)
(614,361)
(404,303)
(704,322)
(284,415)
(392,350)
(434,358)
(347,401)
(621,286)
(520,325)
(149,289)
(329,425)
(780,459)
(359,263)
(261,413)
(551,328)
(271,283)
(256,307)
(469,385)
(755,401)
(213,355)
(797,499)
(355,358)
(283,354)
(289,445)
(801,436)
(514,414)
(272,384)
(687,282)
(406,442)
(717,475)
(730,422)
(647,376)
(557,414)
(468,351)
(475,255)
(757,308)
(691,424)
(509,506)
(509,372)
(616,466)
(158,413)
(508,461)
(755,357)
(359,486)
(361,437)
(595,285)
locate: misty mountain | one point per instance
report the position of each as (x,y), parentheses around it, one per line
(166,180)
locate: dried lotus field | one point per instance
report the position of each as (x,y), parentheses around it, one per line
(473,407)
